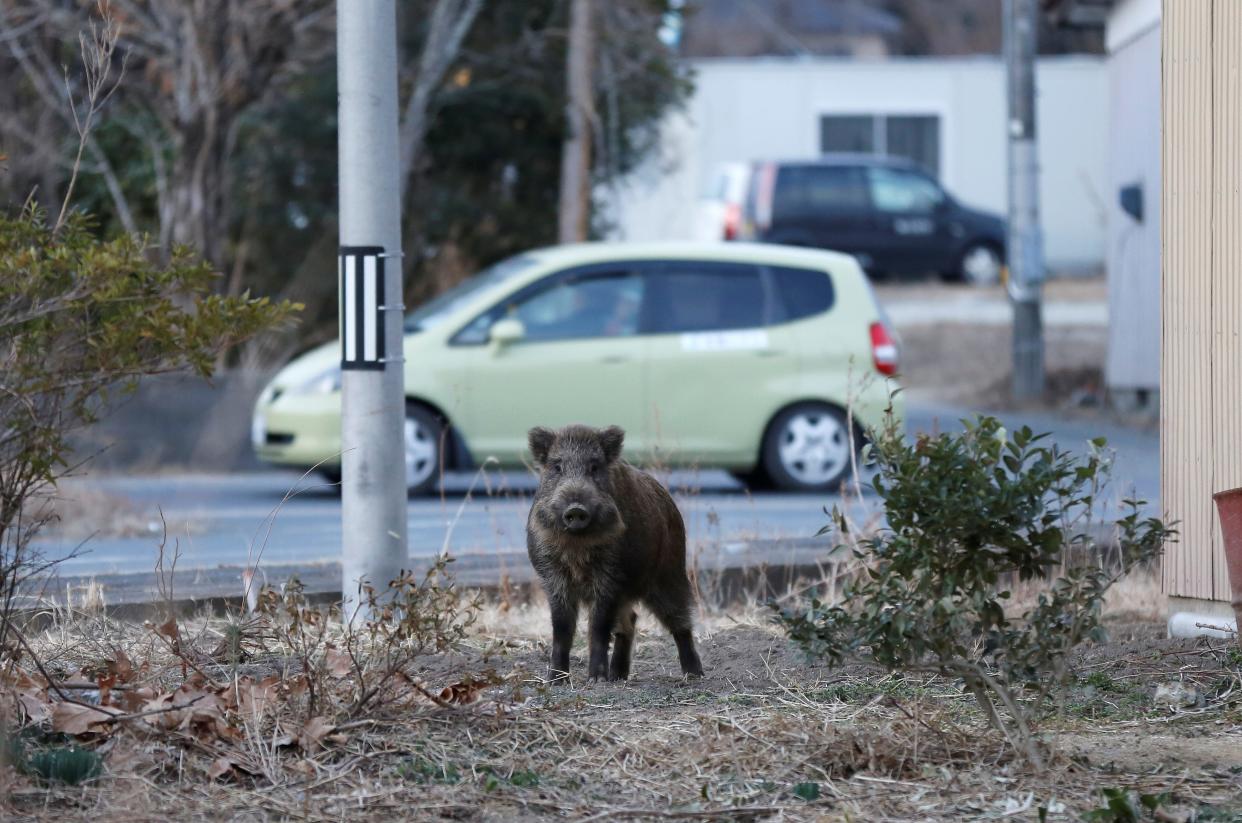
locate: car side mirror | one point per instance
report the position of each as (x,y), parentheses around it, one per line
(507,331)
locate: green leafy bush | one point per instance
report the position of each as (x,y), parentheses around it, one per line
(81,320)
(968,514)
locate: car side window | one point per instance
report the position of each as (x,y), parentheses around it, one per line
(595,305)
(806,191)
(801,292)
(904,192)
(693,297)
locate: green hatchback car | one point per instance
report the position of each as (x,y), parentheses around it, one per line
(737,356)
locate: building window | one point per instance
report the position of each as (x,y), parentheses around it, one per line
(915,137)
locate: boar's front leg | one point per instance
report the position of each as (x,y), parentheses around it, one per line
(603,620)
(623,646)
(564,622)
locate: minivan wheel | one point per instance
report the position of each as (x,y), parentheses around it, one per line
(980,265)
(422,430)
(807,448)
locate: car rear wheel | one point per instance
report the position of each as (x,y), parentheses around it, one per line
(421,435)
(980,265)
(807,448)
(755,480)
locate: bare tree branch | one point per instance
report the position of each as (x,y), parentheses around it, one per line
(450,23)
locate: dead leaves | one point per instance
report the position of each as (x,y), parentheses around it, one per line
(337,662)
(292,712)
(468,690)
(220,767)
(23,697)
(255,699)
(80,719)
(314,732)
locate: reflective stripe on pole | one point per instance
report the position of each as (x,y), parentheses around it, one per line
(362,310)
(373,491)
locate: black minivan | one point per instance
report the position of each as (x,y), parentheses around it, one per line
(887,212)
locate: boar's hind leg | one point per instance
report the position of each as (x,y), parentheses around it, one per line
(564,621)
(603,620)
(623,649)
(673,610)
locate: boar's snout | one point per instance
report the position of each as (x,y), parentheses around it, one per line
(576,517)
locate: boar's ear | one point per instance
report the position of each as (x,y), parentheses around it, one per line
(611,439)
(540,443)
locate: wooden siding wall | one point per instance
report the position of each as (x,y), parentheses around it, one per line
(1201,363)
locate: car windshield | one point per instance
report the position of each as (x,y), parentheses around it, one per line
(444,305)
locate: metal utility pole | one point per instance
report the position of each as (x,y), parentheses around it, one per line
(373,490)
(1026,241)
(576,150)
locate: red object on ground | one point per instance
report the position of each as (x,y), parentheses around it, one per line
(1229,509)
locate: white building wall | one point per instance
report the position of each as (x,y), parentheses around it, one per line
(770,109)
(1133,38)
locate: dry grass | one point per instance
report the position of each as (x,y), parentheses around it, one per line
(764,736)
(81,512)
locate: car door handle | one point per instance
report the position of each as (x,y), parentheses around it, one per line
(613,359)
(769,353)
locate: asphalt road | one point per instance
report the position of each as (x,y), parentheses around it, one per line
(278,519)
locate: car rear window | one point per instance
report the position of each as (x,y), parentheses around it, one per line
(802,292)
(810,190)
(692,297)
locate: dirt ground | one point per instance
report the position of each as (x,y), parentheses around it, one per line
(1056,289)
(765,735)
(969,364)
(964,364)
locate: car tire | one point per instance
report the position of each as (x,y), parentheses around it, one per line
(807,448)
(755,480)
(979,264)
(422,436)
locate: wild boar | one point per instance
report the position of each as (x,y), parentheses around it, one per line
(604,534)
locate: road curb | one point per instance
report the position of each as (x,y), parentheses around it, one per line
(726,574)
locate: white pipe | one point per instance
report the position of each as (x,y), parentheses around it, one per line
(1190,624)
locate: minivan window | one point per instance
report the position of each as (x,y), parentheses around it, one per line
(801,292)
(578,306)
(447,303)
(811,190)
(598,306)
(904,192)
(693,297)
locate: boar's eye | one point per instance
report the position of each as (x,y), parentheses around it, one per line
(594,466)
(554,465)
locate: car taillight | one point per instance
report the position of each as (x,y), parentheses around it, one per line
(883,350)
(732,221)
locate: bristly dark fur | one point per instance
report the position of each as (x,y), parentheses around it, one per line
(632,548)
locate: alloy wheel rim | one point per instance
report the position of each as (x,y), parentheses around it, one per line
(981,266)
(420,453)
(814,447)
